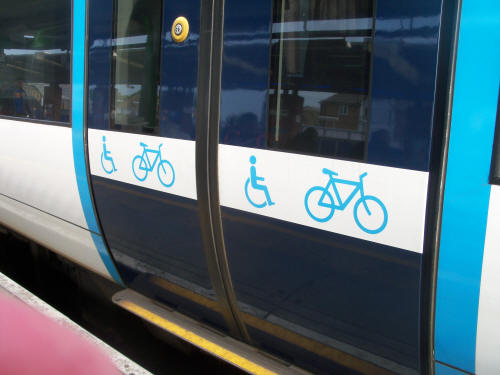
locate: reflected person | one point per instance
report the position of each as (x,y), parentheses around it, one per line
(21,107)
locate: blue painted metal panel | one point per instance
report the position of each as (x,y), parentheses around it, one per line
(315,279)
(179,74)
(79,10)
(467,190)
(103,252)
(161,233)
(156,228)
(100,34)
(245,73)
(403,84)
(445,370)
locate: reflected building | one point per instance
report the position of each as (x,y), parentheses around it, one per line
(319,86)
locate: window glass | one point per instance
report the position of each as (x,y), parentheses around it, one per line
(320,74)
(136,65)
(35,43)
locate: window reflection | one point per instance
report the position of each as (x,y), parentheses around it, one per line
(35,60)
(319,87)
(136,65)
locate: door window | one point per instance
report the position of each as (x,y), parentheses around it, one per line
(136,66)
(320,75)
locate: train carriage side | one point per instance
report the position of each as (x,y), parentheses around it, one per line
(275,169)
(44,193)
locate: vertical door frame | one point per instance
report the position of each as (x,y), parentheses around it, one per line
(207,161)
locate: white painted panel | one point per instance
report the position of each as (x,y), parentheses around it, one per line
(289,177)
(123,148)
(66,239)
(37,168)
(488,325)
(401,193)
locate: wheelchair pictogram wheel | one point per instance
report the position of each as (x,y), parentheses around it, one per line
(256,205)
(109,163)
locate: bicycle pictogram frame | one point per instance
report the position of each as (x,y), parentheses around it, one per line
(141,166)
(326,200)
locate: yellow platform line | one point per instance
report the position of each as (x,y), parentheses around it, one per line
(195,339)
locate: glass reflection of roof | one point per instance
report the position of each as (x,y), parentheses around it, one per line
(127,90)
(350,39)
(350,24)
(408,23)
(128,40)
(24,52)
(122,41)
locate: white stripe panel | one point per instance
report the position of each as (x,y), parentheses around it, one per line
(66,239)
(289,177)
(488,325)
(402,192)
(37,168)
(124,147)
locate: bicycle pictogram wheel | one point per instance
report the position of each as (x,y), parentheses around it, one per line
(166,173)
(140,168)
(256,205)
(373,208)
(322,212)
(110,170)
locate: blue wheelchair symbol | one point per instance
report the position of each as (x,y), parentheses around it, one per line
(374,216)
(141,166)
(253,181)
(109,166)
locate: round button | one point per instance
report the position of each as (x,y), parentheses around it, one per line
(180,29)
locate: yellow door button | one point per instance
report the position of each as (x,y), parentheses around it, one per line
(180,29)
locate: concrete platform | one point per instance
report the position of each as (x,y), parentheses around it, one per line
(122,363)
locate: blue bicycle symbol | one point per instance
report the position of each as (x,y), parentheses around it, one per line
(106,156)
(253,181)
(141,166)
(374,216)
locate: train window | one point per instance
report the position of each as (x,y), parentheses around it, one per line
(136,65)
(320,75)
(495,160)
(35,59)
